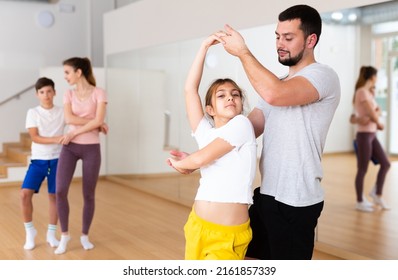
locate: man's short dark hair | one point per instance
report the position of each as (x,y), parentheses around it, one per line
(311,22)
(43,82)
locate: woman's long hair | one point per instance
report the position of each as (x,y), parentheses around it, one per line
(365,74)
(84,65)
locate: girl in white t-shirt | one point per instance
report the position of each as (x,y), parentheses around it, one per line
(218,226)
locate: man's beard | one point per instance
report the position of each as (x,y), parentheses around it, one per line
(291,61)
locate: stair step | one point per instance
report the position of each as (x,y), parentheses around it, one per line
(18,154)
(26,140)
(7,162)
(15,154)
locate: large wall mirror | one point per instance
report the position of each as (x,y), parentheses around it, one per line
(146,92)
(341,228)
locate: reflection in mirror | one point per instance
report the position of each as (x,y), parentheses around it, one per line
(341,229)
(145,83)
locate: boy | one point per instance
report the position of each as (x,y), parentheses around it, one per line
(45,124)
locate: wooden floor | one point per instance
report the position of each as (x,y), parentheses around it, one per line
(342,231)
(342,228)
(130,224)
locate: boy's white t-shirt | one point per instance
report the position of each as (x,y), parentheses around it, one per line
(228,179)
(49,122)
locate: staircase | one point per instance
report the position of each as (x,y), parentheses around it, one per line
(14,159)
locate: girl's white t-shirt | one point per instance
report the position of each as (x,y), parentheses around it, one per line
(228,179)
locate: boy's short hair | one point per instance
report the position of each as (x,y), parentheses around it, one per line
(42,82)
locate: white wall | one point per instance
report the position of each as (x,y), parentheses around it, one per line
(95,29)
(27,47)
(338,48)
(156,22)
(136,139)
(30,46)
(121,3)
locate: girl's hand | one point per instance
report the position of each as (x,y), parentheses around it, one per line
(213,39)
(178,155)
(380,126)
(65,140)
(104,128)
(173,161)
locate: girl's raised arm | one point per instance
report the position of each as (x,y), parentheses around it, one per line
(192,98)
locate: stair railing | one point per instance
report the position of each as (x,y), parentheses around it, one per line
(17,95)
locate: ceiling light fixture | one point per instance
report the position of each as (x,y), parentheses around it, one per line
(337,16)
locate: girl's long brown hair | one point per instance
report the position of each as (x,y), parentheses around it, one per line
(213,88)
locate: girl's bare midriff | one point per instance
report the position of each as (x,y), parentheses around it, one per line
(230,214)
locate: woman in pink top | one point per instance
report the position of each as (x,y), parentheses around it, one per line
(368,115)
(84,110)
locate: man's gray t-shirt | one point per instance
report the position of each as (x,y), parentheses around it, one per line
(293,141)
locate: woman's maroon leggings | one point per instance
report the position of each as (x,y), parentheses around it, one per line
(90,155)
(369,146)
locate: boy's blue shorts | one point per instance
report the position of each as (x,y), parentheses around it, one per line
(39,170)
